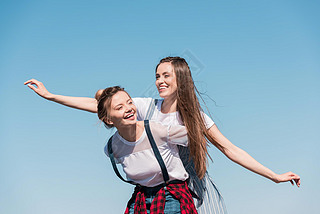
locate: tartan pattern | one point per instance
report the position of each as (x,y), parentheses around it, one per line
(180,191)
(208,198)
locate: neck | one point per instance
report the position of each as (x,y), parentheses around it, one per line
(130,132)
(169,105)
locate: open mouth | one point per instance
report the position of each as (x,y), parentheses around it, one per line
(130,116)
(162,87)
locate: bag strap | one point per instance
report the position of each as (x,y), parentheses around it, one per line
(111,156)
(151,109)
(156,152)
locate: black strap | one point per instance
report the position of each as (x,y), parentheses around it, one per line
(156,152)
(151,109)
(111,156)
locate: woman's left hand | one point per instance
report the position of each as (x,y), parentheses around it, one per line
(289,176)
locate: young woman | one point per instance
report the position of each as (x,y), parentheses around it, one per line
(180,106)
(132,148)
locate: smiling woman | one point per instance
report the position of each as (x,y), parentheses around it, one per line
(166,81)
(131,146)
(112,108)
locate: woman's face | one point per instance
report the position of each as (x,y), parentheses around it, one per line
(122,110)
(166,81)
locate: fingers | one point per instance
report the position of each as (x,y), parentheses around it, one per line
(33,81)
(294,179)
(26,82)
(291,177)
(297,180)
(32,87)
(37,87)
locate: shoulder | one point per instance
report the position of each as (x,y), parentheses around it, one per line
(112,141)
(144,104)
(207,120)
(142,101)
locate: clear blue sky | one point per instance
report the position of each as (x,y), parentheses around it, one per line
(259,61)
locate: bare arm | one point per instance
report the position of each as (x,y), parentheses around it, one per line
(82,103)
(242,158)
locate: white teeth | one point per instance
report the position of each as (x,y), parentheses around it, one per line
(162,87)
(130,115)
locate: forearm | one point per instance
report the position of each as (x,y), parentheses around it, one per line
(82,103)
(242,158)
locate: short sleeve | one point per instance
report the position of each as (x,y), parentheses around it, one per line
(207,120)
(107,153)
(142,105)
(178,134)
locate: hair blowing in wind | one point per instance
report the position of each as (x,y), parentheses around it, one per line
(190,112)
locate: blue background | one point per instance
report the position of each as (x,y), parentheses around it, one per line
(258,60)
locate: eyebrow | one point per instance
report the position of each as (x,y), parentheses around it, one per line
(117,105)
(166,72)
(121,104)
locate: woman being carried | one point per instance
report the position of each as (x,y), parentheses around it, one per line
(158,189)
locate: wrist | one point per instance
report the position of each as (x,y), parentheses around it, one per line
(50,96)
(274,177)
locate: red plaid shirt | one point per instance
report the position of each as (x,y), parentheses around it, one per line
(180,191)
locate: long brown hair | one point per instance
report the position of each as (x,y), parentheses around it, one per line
(190,112)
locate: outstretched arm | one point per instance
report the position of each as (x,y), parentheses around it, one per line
(242,158)
(82,103)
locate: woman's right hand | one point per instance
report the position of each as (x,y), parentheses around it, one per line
(39,88)
(82,103)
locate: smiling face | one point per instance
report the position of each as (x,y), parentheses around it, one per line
(122,111)
(166,81)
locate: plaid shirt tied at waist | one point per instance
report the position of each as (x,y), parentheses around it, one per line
(179,190)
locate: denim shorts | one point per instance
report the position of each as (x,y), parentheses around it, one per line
(172,205)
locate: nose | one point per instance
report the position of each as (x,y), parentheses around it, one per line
(160,80)
(128,108)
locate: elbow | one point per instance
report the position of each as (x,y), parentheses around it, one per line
(232,153)
(93,110)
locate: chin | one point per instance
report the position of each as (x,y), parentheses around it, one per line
(166,95)
(163,94)
(132,121)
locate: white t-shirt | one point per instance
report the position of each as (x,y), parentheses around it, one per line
(138,160)
(173,118)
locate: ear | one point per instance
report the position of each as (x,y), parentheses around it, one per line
(108,121)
